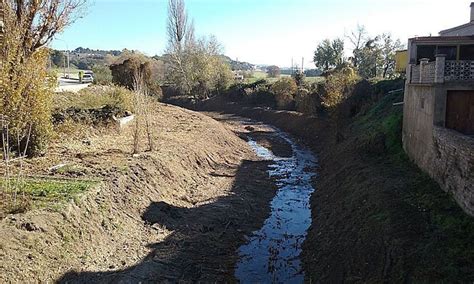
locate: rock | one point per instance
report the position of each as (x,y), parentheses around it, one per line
(31,227)
(57,167)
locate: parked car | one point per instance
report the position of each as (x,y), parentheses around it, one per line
(87,78)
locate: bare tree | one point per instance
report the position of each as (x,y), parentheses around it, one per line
(177,23)
(142,112)
(389,47)
(194,66)
(358,39)
(38,21)
(180,43)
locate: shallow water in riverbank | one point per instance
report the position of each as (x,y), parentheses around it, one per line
(272,253)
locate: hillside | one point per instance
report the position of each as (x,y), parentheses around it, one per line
(238,65)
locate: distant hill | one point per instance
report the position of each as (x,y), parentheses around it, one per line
(86,58)
(82,50)
(238,65)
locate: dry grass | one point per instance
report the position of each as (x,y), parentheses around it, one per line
(95,97)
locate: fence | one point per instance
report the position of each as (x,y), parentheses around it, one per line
(442,71)
(462,70)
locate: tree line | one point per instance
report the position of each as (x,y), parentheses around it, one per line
(371,56)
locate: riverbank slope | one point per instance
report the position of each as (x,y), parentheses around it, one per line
(178,213)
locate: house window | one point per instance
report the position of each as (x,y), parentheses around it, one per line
(451,52)
(466,52)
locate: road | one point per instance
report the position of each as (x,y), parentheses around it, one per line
(70,85)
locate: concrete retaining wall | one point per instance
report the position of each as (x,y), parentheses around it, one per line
(446,155)
(452,165)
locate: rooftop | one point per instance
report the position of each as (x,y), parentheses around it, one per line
(440,39)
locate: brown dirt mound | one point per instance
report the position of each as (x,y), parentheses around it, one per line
(178,213)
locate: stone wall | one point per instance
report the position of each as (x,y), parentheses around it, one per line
(446,155)
(453,165)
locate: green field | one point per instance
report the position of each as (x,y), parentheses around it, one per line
(259,75)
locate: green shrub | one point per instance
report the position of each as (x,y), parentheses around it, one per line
(338,86)
(307,102)
(284,90)
(102,75)
(260,95)
(299,78)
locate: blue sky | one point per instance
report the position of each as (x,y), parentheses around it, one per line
(259,31)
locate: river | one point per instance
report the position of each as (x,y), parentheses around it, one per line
(272,254)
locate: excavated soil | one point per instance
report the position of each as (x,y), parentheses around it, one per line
(178,213)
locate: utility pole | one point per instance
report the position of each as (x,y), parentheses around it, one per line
(67,57)
(292,64)
(302,65)
(68,60)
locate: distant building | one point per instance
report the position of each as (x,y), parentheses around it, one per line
(463,30)
(401,61)
(438,123)
(238,76)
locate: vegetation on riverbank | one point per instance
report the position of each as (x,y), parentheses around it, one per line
(40,193)
(376,216)
(390,221)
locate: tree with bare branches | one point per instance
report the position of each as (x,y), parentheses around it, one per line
(142,112)
(38,21)
(177,23)
(194,66)
(180,42)
(357,38)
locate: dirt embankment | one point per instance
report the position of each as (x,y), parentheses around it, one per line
(376,216)
(175,214)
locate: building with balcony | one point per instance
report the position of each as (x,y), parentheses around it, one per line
(438,123)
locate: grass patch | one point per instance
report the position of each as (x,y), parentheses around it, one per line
(385,120)
(259,75)
(40,193)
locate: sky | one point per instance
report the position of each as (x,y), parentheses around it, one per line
(259,31)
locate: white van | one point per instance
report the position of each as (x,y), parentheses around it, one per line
(87,78)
